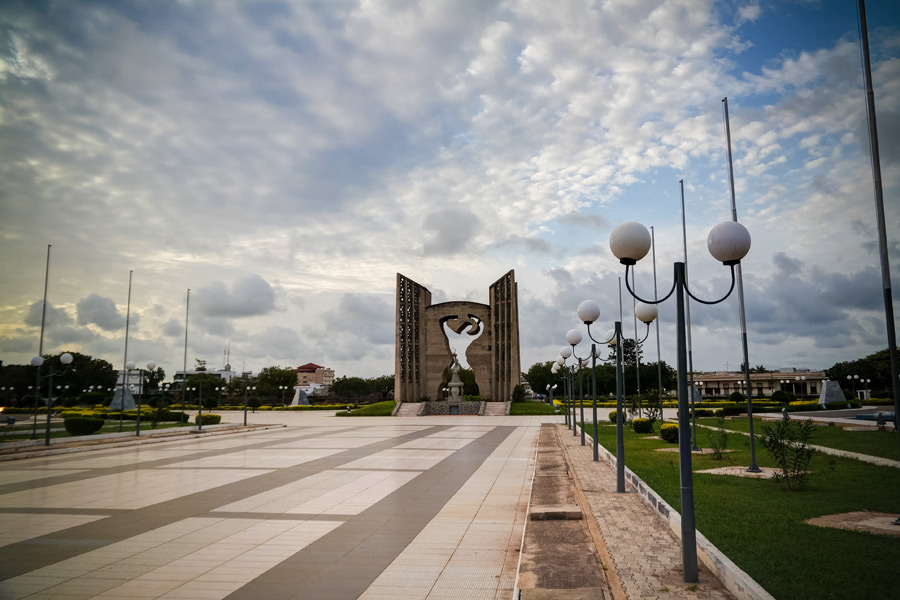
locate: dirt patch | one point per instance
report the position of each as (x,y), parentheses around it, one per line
(738,471)
(700,451)
(869,522)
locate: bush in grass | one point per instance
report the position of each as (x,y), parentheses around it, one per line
(208,419)
(717,438)
(613,416)
(379,409)
(642,426)
(788,444)
(704,412)
(733,410)
(781,397)
(83,425)
(518,393)
(669,432)
(736,397)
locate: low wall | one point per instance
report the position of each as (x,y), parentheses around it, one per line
(442,407)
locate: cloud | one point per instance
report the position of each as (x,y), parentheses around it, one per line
(54,316)
(248,296)
(102,312)
(172,328)
(449,230)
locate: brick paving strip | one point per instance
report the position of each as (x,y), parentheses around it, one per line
(645,554)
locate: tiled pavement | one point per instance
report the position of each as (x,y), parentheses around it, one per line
(645,555)
(325,508)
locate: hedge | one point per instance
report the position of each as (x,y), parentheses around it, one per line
(83,425)
(669,432)
(208,419)
(642,426)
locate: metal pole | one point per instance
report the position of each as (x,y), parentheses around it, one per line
(687,307)
(200,408)
(245,405)
(581,399)
(740,287)
(879,214)
(187,312)
(125,371)
(620,417)
(566,399)
(688,530)
(49,408)
(137,423)
(659,379)
(37,387)
(572,394)
(594,399)
(637,358)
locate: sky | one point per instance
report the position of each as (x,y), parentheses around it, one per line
(285,160)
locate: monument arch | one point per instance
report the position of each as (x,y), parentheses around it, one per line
(423,354)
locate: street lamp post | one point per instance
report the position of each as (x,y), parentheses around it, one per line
(246,389)
(151,366)
(282,388)
(126,376)
(589,312)
(728,242)
(853,379)
(65,359)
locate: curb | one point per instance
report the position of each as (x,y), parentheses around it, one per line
(735,580)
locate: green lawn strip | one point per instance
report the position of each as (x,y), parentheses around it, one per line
(112,427)
(531,408)
(874,443)
(759,524)
(379,409)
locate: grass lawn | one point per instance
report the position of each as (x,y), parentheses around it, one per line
(24,433)
(531,408)
(379,409)
(876,443)
(759,524)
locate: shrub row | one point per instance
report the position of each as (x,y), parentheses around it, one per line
(208,419)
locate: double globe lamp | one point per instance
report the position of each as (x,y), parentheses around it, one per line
(728,243)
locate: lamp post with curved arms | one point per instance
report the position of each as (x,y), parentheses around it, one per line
(64,359)
(728,243)
(246,390)
(589,312)
(573,336)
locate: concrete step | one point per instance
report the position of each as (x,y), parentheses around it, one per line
(409,409)
(495,409)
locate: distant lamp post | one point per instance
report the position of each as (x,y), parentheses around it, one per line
(37,361)
(126,377)
(151,366)
(283,389)
(853,379)
(728,243)
(246,390)
(866,393)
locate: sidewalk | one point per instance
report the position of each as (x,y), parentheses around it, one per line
(645,556)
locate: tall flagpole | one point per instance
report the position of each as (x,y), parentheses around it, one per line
(879,214)
(37,383)
(748,389)
(687,313)
(125,363)
(659,380)
(187,312)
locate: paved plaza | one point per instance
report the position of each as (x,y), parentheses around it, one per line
(323,508)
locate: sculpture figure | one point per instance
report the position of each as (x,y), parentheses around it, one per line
(456,385)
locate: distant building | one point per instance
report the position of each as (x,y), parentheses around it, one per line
(314,377)
(721,384)
(225,374)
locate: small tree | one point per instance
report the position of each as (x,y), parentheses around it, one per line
(736,397)
(717,438)
(518,393)
(788,444)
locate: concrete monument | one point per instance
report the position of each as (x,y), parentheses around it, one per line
(424,363)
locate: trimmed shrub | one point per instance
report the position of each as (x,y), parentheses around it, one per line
(83,425)
(780,396)
(736,397)
(642,426)
(704,412)
(669,432)
(612,416)
(208,419)
(379,409)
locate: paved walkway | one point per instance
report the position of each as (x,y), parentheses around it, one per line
(644,554)
(324,508)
